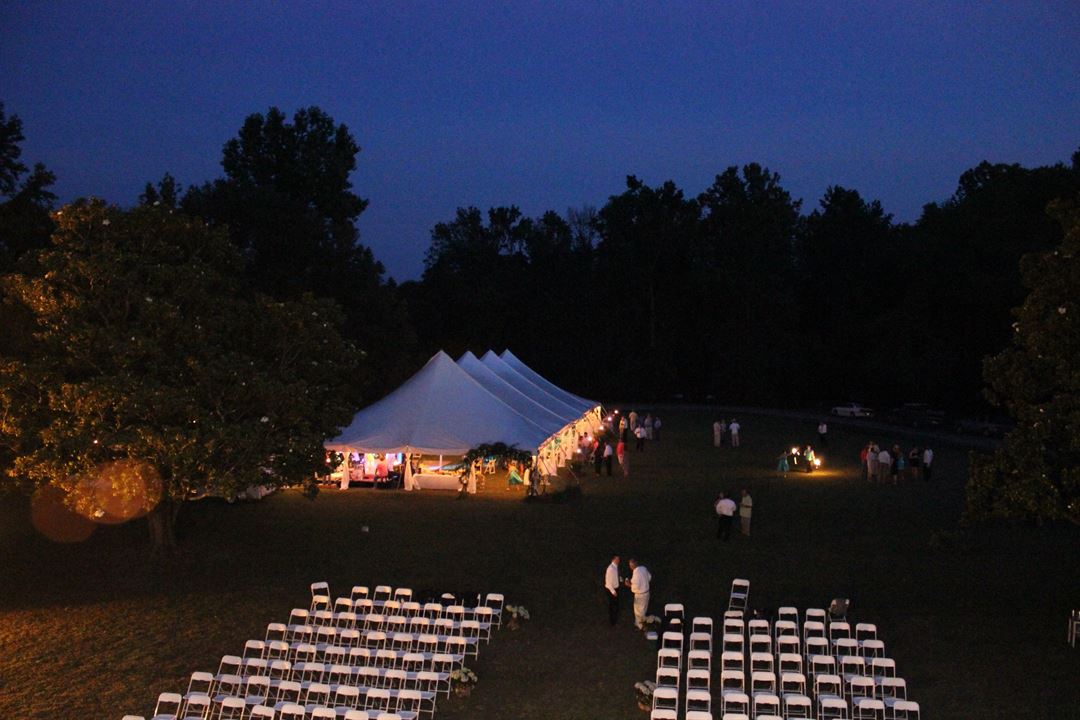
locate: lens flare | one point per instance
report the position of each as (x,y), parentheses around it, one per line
(51,516)
(117,491)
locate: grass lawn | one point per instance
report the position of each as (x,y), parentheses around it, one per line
(976,624)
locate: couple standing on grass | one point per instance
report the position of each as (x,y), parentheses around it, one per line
(725,514)
(638,582)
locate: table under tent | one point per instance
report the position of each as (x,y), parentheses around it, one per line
(421,430)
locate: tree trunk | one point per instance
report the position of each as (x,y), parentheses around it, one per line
(162,524)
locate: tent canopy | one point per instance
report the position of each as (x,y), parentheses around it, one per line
(527,387)
(439,410)
(523,404)
(546,385)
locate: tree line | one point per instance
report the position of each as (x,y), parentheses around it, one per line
(735,294)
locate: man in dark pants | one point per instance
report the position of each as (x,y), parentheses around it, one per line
(611,584)
(725,515)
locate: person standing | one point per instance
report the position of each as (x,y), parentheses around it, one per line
(864,454)
(611,584)
(621,456)
(609,453)
(746,509)
(884,461)
(899,464)
(872,462)
(598,455)
(633,420)
(639,583)
(927,463)
(656,428)
(648,425)
(639,433)
(725,515)
(914,461)
(734,427)
(717,433)
(822,431)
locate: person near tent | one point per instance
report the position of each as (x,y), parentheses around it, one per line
(597,455)
(623,458)
(609,455)
(639,433)
(514,478)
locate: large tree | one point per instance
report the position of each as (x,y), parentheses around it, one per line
(289,206)
(1036,472)
(25,197)
(149,348)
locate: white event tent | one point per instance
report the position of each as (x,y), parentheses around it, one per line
(448,408)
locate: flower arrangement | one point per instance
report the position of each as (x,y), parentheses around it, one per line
(517,615)
(462,681)
(643,692)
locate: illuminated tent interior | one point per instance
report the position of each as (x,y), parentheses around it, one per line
(448,408)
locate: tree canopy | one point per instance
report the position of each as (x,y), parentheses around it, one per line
(1036,472)
(147,346)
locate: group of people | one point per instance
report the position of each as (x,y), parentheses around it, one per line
(880,464)
(638,583)
(603,453)
(725,508)
(723,431)
(641,428)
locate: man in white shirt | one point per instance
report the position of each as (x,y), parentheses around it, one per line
(927,463)
(734,427)
(725,515)
(885,462)
(611,584)
(822,431)
(639,585)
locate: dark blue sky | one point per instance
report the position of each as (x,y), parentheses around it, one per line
(548,105)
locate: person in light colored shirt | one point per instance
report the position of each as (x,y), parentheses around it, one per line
(639,583)
(746,509)
(725,515)
(717,433)
(927,463)
(822,432)
(884,460)
(734,427)
(611,584)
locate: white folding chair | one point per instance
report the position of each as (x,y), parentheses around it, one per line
(359,592)
(403,594)
(788,614)
(761,644)
(495,602)
(832,708)
(231,708)
(698,715)
(860,687)
(762,682)
(320,596)
(702,624)
(792,683)
(867,709)
(789,644)
(699,660)
(665,699)
(813,629)
(790,663)
(766,704)
(740,594)
(356,715)
(882,667)
(798,706)
(891,690)
(758,626)
(735,702)
(701,641)
(839,630)
(667,677)
(322,713)
(675,611)
(197,707)
(291,711)
(257,690)
(382,593)
(663,714)
(697,679)
(261,712)
(672,640)
(871,648)
(732,661)
(762,662)
(699,700)
(732,681)
(734,626)
(816,615)
(733,643)
(905,710)
(666,657)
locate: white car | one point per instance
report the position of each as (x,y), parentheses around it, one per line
(852,410)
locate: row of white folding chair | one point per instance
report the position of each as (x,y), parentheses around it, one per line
(401,643)
(696,679)
(320,594)
(674,715)
(453,616)
(170,706)
(359,658)
(695,659)
(336,676)
(384,593)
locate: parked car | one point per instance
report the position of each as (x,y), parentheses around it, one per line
(853,410)
(919,415)
(983,426)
